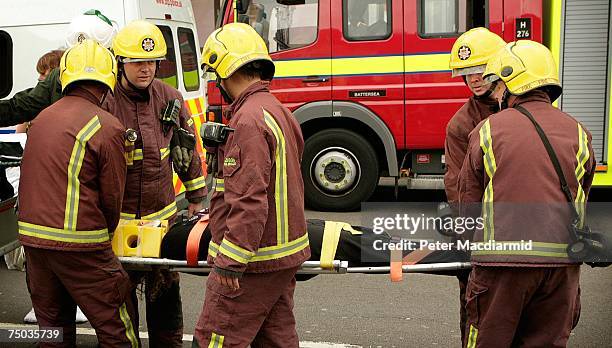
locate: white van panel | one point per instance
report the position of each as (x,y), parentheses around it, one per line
(29,44)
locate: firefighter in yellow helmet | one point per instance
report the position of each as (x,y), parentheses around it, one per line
(468,59)
(508,174)
(75,160)
(162,138)
(257,218)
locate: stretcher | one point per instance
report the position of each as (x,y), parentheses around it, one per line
(336,248)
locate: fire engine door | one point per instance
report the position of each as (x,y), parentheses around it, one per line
(298,37)
(367,63)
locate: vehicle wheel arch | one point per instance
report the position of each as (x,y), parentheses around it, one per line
(317,116)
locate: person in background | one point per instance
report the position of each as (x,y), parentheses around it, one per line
(25,105)
(469,57)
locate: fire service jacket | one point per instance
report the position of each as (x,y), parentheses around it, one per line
(149,190)
(257,209)
(458,129)
(508,170)
(72,176)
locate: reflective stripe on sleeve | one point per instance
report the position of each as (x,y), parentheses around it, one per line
(164,153)
(262,254)
(195,184)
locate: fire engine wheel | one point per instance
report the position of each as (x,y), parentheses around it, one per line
(340,170)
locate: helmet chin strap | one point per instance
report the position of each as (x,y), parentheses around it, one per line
(504,102)
(226,97)
(489,91)
(132,86)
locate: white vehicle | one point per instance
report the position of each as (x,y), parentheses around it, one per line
(31,28)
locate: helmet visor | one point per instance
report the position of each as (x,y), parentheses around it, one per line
(479,69)
(136,60)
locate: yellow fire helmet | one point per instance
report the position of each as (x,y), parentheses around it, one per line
(231,47)
(472,50)
(89,61)
(524,66)
(140,41)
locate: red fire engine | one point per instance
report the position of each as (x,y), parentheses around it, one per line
(369,82)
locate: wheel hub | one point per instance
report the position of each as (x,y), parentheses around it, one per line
(336,170)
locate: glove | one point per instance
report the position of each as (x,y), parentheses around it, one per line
(182,146)
(211,162)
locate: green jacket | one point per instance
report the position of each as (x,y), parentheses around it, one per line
(25,105)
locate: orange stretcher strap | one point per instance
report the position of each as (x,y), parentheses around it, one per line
(193,241)
(396,272)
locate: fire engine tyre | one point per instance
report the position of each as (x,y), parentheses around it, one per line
(340,170)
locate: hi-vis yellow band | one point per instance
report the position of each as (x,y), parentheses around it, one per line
(219,185)
(74,168)
(62,235)
(486,144)
(216,341)
(244,256)
(127,323)
(164,153)
(539,249)
(582,156)
(473,335)
(165,214)
(195,184)
(280,189)
(418,63)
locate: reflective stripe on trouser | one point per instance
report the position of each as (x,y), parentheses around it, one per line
(163,214)
(216,341)
(61,235)
(486,143)
(74,168)
(251,314)
(100,288)
(582,156)
(473,335)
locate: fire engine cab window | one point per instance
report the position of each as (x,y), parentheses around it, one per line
(366,19)
(6,64)
(284,24)
(167,67)
(449,18)
(189,59)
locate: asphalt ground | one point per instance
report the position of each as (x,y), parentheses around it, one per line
(364,310)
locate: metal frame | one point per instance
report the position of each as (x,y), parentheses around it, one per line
(308,267)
